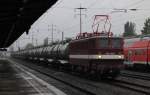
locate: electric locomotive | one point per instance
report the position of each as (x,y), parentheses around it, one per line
(100,55)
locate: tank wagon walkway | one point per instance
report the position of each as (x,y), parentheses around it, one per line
(15,81)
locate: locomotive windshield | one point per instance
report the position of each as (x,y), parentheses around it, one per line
(110,43)
(104,42)
(116,43)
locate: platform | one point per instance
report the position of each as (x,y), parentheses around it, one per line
(14,80)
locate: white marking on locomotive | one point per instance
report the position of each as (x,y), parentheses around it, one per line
(97,56)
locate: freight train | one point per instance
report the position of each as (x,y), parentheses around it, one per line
(98,53)
(137,52)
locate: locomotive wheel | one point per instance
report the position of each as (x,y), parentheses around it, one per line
(67,67)
(104,74)
(95,75)
(74,68)
(82,70)
(45,63)
(57,64)
(113,73)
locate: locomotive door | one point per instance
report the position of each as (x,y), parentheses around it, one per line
(129,57)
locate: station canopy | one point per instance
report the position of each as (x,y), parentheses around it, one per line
(16,17)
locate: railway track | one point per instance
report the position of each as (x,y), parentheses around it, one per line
(127,84)
(92,88)
(136,75)
(132,86)
(119,83)
(139,82)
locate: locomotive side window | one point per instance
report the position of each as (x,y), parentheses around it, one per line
(116,43)
(92,43)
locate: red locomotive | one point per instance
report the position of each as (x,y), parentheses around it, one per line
(98,53)
(137,51)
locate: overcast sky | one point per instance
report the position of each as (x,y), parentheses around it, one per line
(65,19)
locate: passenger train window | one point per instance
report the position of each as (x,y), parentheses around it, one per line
(139,52)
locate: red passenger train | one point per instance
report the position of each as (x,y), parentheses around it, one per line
(137,51)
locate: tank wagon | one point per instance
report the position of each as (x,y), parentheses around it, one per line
(97,53)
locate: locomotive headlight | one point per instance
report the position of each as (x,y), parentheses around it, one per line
(119,56)
(99,56)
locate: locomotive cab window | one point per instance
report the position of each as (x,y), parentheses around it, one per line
(103,42)
(116,43)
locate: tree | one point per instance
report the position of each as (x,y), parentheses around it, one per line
(29,45)
(129,29)
(146,28)
(46,41)
(68,39)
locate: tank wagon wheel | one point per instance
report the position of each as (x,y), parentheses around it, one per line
(71,68)
(61,67)
(51,64)
(31,60)
(74,68)
(67,67)
(40,63)
(46,62)
(37,62)
(56,64)
(64,67)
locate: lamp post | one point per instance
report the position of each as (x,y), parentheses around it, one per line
(116,10)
